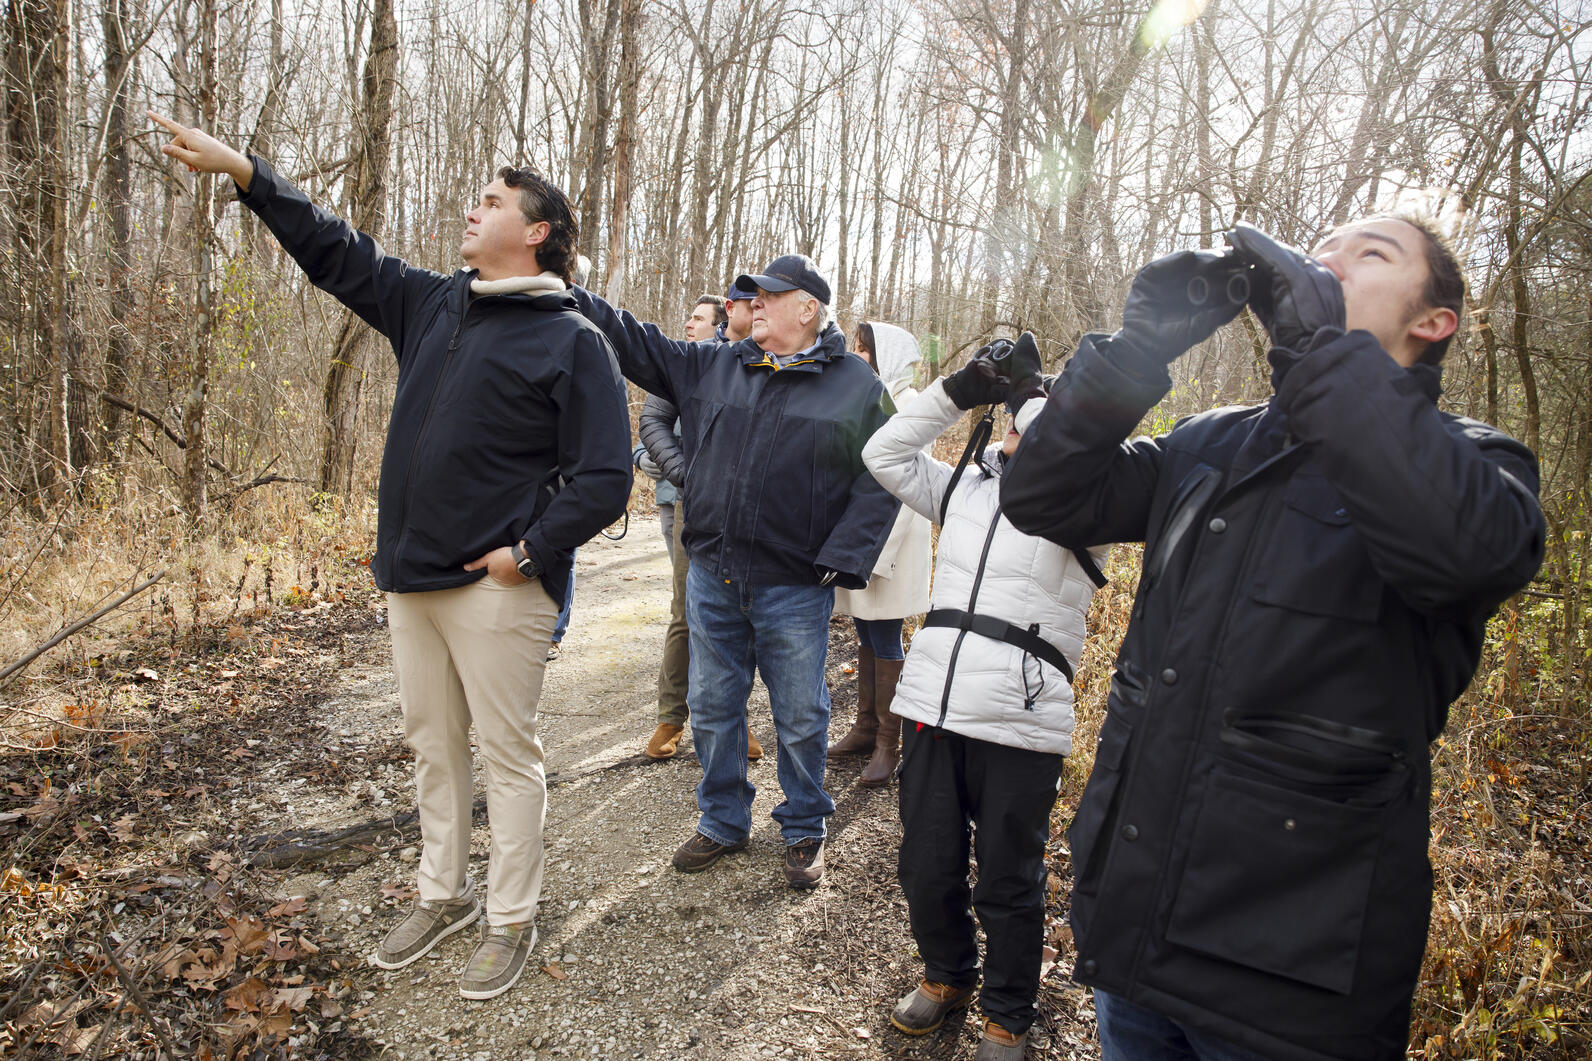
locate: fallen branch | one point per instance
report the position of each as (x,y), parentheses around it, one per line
(87,620)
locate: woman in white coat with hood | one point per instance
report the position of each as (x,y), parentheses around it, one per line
(986,696)
(899,586)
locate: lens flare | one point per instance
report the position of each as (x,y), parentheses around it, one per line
(1166,20)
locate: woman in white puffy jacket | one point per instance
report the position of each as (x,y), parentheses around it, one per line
(899,586)
(986,699)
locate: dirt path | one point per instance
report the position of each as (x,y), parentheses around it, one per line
(634,959)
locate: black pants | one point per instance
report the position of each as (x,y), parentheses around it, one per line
(949,783)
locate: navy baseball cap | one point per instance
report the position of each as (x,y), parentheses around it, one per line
(737,293)
(789,272)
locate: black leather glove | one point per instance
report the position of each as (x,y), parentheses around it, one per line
(1025,370)
(980,381)
(1179,300)
(1294,295)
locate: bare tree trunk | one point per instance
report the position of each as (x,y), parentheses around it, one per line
(1204,47)
(598,112)
(624,147)
(1007,147)
(118,208)
(196,371)
(345,375)
(263,142)
(1103,102)
(525,82)
(37,35)
(1521,299)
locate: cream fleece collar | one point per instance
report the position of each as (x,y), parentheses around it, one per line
(515,285)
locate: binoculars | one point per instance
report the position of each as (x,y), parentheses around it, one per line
(1235,292)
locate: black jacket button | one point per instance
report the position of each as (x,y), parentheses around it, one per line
(1130,832)
(1091,967)
(1218,525)
(1169,676)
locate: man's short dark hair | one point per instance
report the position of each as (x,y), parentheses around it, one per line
(719,316)
(1445,278)
(542,200)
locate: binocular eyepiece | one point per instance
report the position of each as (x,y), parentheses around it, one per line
(1235,292)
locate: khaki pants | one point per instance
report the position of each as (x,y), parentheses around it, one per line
(674,673)
(476,654)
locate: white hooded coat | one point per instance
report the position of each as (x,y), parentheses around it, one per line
(973,685)
(900,583)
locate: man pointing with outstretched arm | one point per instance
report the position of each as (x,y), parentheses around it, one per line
(507,448)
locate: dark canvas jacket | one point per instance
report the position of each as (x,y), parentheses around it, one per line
(509,419)
(775,489)
(1250,853)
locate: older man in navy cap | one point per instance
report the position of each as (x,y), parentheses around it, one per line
(782,511)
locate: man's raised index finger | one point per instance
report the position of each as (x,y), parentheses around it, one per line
(169,125)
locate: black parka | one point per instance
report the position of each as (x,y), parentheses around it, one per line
(1250,853)
(775,489)
(509,418)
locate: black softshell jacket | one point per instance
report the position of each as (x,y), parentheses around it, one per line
(775,488)
(1250,853)
(510,418)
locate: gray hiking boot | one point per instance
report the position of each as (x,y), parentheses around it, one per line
(998,1044)
(925,1008)
(427,924)
(498,961)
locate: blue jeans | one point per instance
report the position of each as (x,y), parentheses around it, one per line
(782,631)
(881,635)
(1133,1033)
(569,598)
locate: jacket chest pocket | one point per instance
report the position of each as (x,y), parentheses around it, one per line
(1314,560)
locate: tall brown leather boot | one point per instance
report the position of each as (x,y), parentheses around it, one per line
(887,742)
(860,739)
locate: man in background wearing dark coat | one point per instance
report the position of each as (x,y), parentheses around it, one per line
(1250,853)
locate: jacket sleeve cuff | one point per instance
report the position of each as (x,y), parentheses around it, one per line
(260,185)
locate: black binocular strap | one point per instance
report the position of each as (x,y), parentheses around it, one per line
(1001,630)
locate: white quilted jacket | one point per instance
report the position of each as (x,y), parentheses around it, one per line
(961,681)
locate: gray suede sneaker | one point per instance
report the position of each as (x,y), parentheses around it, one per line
(498,961)
(426,926)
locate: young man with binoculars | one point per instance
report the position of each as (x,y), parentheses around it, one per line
(1250,854)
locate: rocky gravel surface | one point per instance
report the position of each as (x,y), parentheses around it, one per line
(634,959)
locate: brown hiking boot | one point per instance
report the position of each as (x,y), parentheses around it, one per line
(859,739)
(887,741)
(700,852)
(665,741)
(754,750)
(925,1008)
(804,863)
(998,1044)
